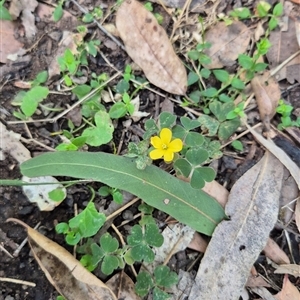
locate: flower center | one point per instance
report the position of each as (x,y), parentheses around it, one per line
(164,146)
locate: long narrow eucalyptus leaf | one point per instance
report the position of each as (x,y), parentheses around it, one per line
(153,185)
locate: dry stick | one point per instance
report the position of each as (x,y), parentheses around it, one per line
(100,26)
(17,251)
(123,244)
(86,97)
(17,281)
(242,134)
(5,251)
(122,208)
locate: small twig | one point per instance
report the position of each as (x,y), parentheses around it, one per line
(122,208)
(100,26)
(240,135)
(17,251)
(5,251)
(5,279)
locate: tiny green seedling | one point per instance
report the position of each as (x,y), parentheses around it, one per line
(285,111)
(58,11)
(121,108)
(30,100)
(96,14)
(116,194)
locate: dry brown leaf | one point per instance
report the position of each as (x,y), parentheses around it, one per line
(296,1)
(217,191)
(227,43)
(148,45)
(25,8)
(235,245)
(291,269)
(198,243)
(297,213)
(275,253)
(267,95)
(288,292)
(284,44)
(254,281)
(8,44)
(64,272)
(279,153)
(123,286)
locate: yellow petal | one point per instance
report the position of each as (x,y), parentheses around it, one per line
(168,156)
(156,142)
(165,136)
(176,145)
(156,154)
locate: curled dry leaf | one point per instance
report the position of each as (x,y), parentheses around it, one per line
(235,245)
(275,253)
(288,292)
(297,214)
(227,43)
(148,45)
(63,271)
(291,269)
(267,94)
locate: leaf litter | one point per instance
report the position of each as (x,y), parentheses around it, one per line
(226,60)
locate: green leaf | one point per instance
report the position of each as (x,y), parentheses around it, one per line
(108,243)
(220,110)
(202,175)
(166,120)
(238,84)
(102,133)
(57,195)
(273,22)
(153,185)
(4,13)
(221,75)
(227,128)
(192,78)
(189,124)
(144,283)
(237,145)
(278,9)
(42,77)
(205,73)
(152,236)
(58,13)
(210,124)
(224,98)
(109,264)
(262,8)
(118,110)
(193,54)
(196,156)
(183,166)
(194,139)
(158,294)
(260,67)
(88,18)
(210,92)
(195,96)
(245,61)
(62,227)
(89,221)
(164,277)
(32,98)
(81,90)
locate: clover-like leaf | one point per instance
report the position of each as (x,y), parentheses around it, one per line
(152,235)
(189,124)
(220,110)
(166,120)
(108,243)
(196,156)
(158,294)
(164,277)
(194,139)
(109,264)
(227,128)
(183,166)
(210,124)
(89,221)
(144,283)
(102,133)
(201,175)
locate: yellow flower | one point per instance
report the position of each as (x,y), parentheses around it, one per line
(164,146)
